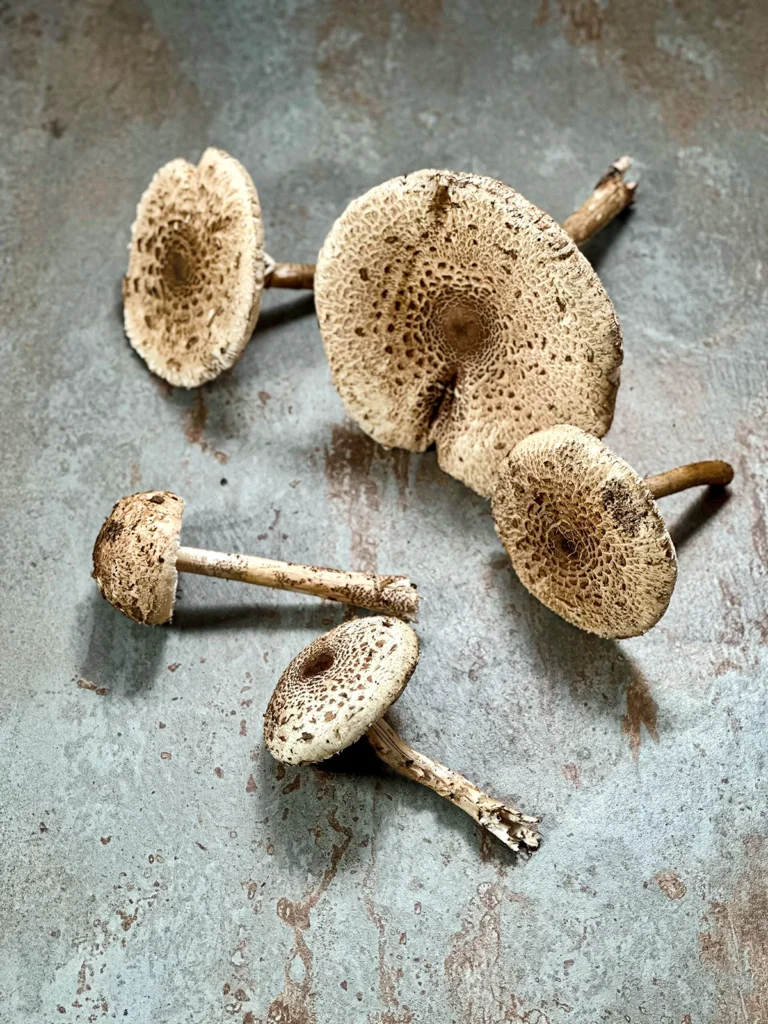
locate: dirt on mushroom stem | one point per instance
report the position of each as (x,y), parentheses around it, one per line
(338,689)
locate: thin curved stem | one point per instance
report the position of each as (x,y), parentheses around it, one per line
(713,473)
(288,275)
(610,196)
(387,595)
(512,827)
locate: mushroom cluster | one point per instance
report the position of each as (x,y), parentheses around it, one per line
(454,313)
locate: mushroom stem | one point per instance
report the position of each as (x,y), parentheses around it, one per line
(289,275)
(508,824)
(388,595)
(696,474)
(611,195)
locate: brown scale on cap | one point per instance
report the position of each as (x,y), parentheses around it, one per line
(134,557)
(584,534)
(455,312)
(333,692)
(192,292)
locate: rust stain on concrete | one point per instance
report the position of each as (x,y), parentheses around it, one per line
(296,1003)
(195,418)
(571,773)
(666,53)
(734,943)
(642,710)
(478,979)
(671,884)
(348,462)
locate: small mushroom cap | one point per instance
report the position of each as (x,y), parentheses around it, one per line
(192,292)
(134,557)
(455,312)
(338,687)
(584,533)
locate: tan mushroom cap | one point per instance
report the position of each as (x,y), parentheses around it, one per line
(134,557)
(455,312)
(338,687)
(584,533)
(192,292)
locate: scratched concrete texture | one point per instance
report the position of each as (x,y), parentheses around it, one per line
(157,865)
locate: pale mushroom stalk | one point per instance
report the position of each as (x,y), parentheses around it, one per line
(508,824)
(711,473)
(390,595)
(610,196)
(288,275)
(337,691)
(137,560)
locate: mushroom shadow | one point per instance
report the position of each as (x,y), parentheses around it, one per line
(595,672)
(596,249)
(698,514)
(284,313)
(209,618)
(361,761)
(121,655)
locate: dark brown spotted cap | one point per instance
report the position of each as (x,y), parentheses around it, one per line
(455,313)
(192,292)
(584,533)
(338,687)
(134,557)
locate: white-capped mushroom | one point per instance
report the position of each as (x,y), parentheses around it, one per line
(197,267)
(455,313)
(584,533)
(338,689)
(137,559)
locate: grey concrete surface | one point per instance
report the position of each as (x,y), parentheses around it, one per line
(156,865)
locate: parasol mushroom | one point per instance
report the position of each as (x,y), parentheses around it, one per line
(338,689)
(137,559)
(197,267)
(455,313)
(584,533)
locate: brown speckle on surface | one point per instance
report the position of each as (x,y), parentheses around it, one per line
(86,684)
(165,755)
(250,786)
(671,884)
(642,710)
(105,840)
(219,773)
(196,417)
(174,666)
(571,773)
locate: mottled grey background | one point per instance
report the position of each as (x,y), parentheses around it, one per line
(156,867)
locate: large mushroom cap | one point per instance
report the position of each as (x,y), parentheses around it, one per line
(454,311)
(584,533)
(333,692)
(134,557)
(196,269)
